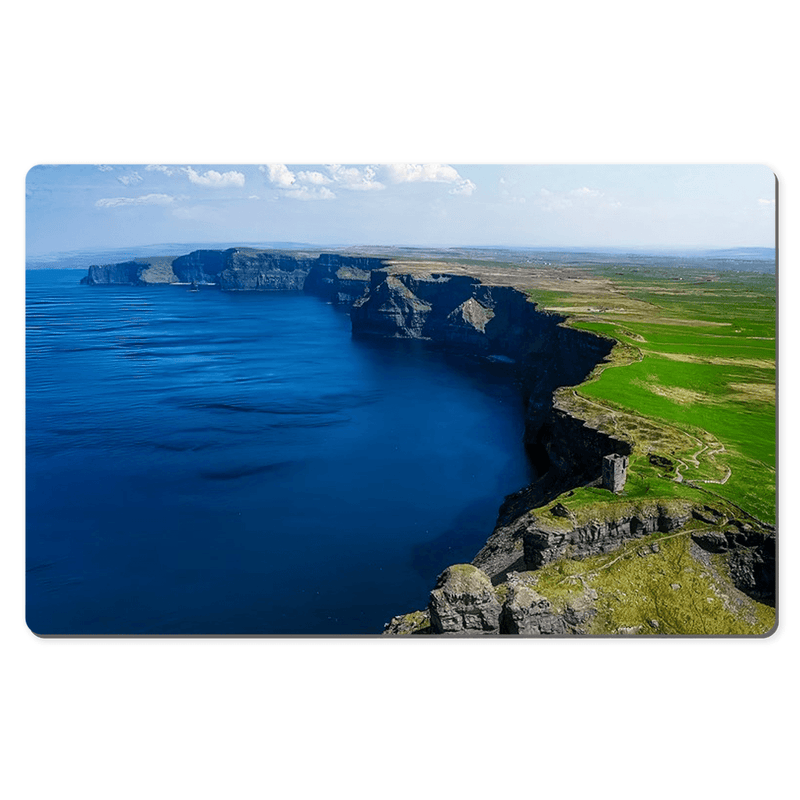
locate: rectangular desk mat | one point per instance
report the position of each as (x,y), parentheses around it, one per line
(401,400)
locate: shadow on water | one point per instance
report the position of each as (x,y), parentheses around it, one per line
(472,526)
(456,545)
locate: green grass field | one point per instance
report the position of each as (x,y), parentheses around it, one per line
(692,381)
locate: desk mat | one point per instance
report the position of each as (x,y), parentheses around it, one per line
(401,400)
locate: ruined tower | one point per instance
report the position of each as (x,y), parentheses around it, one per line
(615,471)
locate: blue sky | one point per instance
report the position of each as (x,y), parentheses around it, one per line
(660,206)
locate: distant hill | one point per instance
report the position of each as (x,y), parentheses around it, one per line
(744,253)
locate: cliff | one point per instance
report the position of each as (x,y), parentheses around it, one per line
(126,273)
(501,322)
(341,278)
(519,584)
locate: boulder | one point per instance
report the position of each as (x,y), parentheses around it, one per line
(527,613)
(464,602)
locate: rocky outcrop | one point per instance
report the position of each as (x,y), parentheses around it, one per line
(531,539)
(528,613)
(547,540)
(464,602)
(749,554)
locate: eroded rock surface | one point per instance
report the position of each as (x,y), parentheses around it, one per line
(464,601)
(545,543)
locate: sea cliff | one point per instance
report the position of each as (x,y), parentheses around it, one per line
(242,269)
(505,589)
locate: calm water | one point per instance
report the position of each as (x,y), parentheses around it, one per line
(239,463)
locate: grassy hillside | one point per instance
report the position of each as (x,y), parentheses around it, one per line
(692,382)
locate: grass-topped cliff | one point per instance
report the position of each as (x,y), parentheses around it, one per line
(690,387)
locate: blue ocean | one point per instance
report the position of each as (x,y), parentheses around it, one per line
(232,463)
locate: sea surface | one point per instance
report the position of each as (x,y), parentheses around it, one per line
(221,463)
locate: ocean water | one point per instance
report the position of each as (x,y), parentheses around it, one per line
(218,463)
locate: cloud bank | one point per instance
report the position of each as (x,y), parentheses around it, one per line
(316,185)
(214,179)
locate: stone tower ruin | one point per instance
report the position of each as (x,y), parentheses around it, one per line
(615,472)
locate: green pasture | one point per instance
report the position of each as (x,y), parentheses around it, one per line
(692,380)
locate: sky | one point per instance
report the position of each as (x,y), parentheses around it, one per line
(76,207)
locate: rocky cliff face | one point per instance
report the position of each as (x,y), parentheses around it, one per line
(456,310)
(263,271)
(201,266)
(338,277)
(750,555)
(127,273)
(545,541)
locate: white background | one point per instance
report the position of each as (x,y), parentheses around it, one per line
(613,82)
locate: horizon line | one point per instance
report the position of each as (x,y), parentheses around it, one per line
(226,244)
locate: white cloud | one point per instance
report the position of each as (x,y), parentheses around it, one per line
(314,177)
(253,197)
(159,168)
(355,178)
(313,185)
(764,202)
(143,200)
(423,173)
(130,178)
(215,179)
(430,173)
(279,174)
(105,168)
(309,184)
(311,193)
